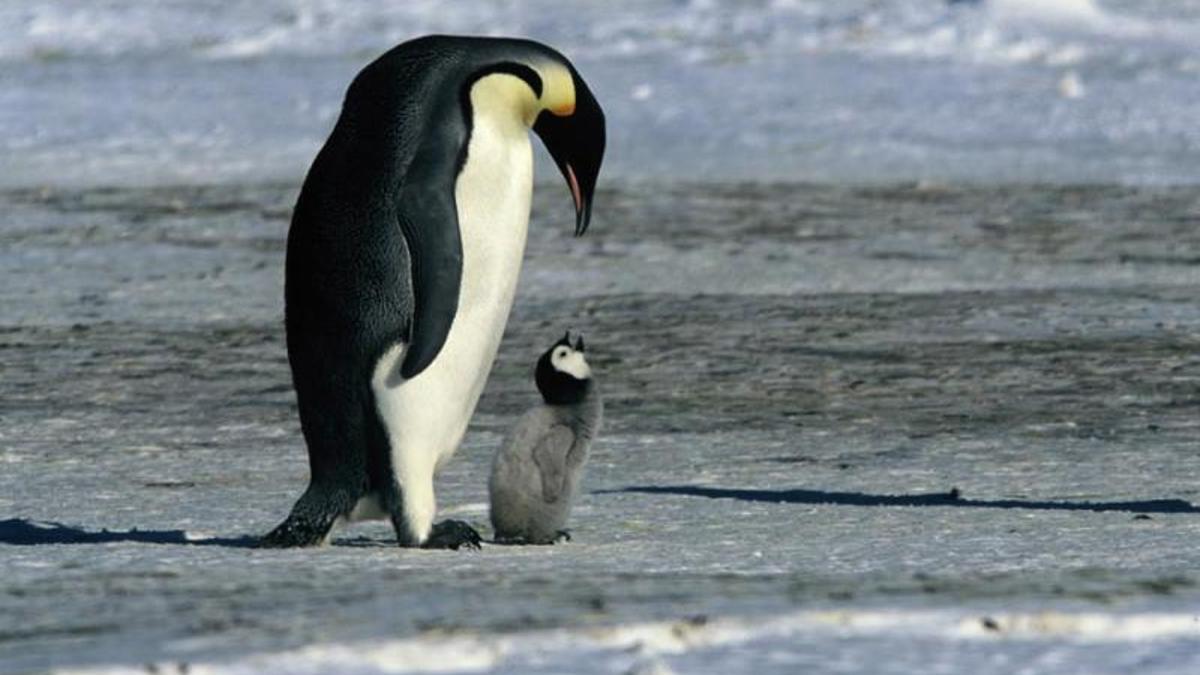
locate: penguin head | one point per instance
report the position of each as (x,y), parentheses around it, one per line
(571,125)
(535,83)
(560,108)
(563,376)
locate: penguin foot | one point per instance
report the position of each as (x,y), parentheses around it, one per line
(294,533)
(312,518)
(561,537)
(453,534)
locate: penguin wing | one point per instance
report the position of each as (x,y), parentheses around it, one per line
(550,455)
(429,219)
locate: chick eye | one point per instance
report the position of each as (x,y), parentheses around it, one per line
(560,353)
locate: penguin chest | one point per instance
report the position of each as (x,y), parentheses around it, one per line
(493,194)
(427,416)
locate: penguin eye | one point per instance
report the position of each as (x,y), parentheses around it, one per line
(560,353)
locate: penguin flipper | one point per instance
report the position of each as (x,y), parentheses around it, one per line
(550,455)
(429,220)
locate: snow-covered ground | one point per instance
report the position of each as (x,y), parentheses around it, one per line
(933,411)
(106,92)
(930,428)
(884,642)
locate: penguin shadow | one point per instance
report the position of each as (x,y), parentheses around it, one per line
(22,532)
(952,498)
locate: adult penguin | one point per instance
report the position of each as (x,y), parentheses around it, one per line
(402,260)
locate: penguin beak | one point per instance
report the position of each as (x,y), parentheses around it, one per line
(576,142)
(579,344)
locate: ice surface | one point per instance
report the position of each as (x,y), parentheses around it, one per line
(885,641)
(101,93)
(772,491)
(943,424)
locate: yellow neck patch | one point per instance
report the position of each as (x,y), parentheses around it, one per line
(502,93)
(558,89)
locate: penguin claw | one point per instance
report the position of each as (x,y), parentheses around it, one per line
(453,535)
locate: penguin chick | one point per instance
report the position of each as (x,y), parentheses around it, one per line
(536,473)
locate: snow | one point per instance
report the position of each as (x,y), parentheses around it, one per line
(819,90)
(893,306)
(771,645)
(821,468)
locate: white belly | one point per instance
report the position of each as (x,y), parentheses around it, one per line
(427,416)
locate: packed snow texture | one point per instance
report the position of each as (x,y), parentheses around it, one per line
(927,426)
(934,410)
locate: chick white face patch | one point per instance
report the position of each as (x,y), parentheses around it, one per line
(571,362)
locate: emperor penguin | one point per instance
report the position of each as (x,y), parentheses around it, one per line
(536,473)
(402,261)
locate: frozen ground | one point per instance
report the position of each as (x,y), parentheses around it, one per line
(852,430)
(920,428)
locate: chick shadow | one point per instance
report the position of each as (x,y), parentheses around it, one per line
(23,532)
(951,498)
